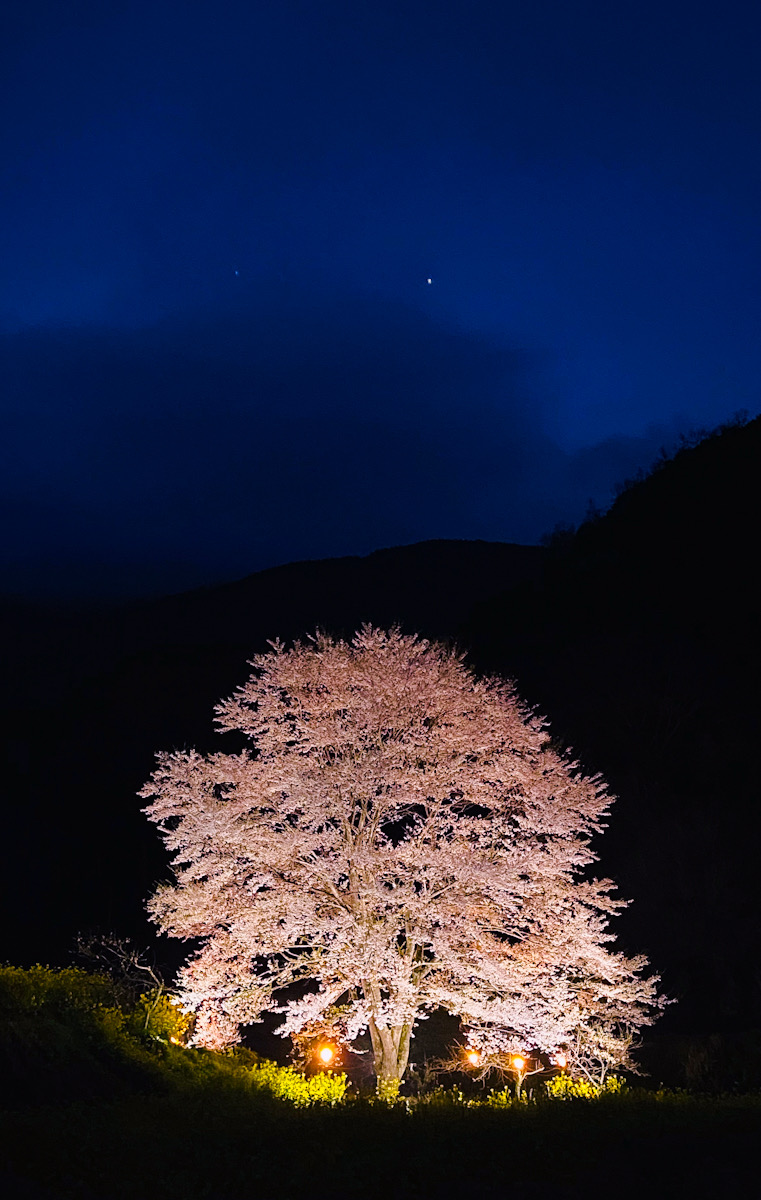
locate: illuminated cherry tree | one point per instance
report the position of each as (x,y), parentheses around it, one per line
(401,836)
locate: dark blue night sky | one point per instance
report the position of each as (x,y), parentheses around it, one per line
(220,350)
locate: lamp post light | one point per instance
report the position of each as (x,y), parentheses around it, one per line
(519,1064)
(326,1054)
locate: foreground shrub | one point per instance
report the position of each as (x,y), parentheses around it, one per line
(156,1015)
(441,1097)
(68,1035)
(563,1087)
(63,1037)
(300,1090)
(70,988)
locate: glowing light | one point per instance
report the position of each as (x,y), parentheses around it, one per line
(473,1058)
(175,1041)
(326,1054)
(519,1062)
(561,1061)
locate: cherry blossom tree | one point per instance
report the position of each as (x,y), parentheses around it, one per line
(401,836)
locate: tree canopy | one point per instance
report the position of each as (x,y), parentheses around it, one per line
(400,836)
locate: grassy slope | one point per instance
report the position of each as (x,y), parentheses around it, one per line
(97,1107)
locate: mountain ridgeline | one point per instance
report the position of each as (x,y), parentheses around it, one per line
(638,636)
(641,642)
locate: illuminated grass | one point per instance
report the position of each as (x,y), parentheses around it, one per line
(99,1107)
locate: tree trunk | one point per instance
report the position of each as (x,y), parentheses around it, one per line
(391,1051)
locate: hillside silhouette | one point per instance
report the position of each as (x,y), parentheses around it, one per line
(640,641)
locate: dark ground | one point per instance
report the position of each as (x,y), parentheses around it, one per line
(217,1148)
